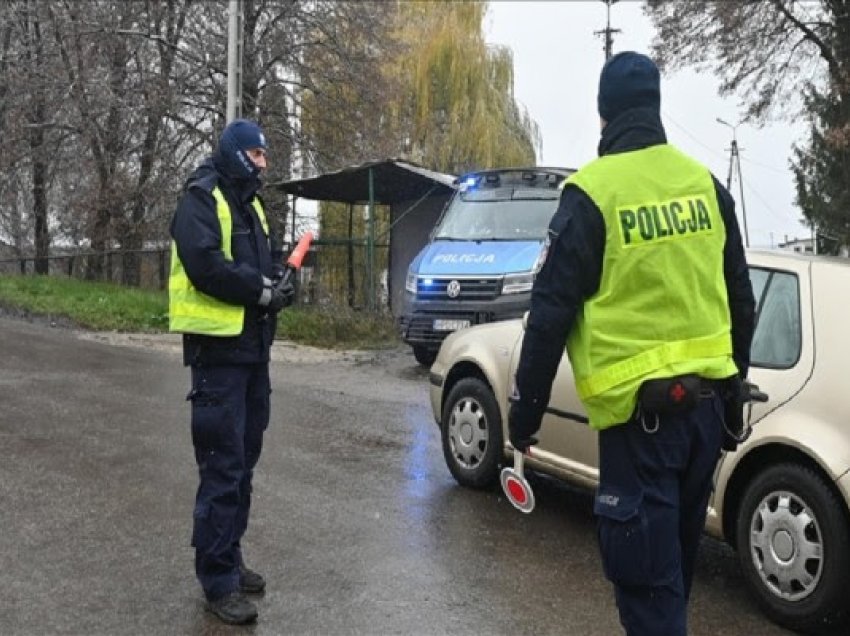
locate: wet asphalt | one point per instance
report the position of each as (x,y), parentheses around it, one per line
(357,525)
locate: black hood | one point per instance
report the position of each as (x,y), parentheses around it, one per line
(205,173)
(632,130)
(209,174)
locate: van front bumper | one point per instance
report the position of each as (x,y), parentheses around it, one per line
(427,323)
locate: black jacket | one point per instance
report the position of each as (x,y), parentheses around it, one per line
(573,270)
(197,235)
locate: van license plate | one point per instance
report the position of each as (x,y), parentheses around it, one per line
(450,325)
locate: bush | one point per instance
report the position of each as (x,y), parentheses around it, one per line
(337,328)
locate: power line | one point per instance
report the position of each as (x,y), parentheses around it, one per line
(688,133)
(767,167)
(779,217)
(667,117)
(774,213)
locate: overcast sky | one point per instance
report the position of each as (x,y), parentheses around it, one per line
(557,59)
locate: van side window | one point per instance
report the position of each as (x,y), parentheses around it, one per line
(777,339)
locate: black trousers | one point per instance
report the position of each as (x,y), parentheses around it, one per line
(651,507)
(230,413)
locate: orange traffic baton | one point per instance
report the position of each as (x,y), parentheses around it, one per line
(293,263)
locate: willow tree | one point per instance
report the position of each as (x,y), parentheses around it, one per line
(441,95)
(457,106)
(442,98)
(784,59)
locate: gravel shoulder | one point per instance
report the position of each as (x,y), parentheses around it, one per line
(170,343)
(282,350)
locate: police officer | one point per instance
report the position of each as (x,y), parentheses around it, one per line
(647,284)
(225,290)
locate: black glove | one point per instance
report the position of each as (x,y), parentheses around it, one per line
(283,295)
(735,429)
(523,423)
(278,272)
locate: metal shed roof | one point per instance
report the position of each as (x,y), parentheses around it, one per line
(393,181)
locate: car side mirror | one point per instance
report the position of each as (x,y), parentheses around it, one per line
(525,321)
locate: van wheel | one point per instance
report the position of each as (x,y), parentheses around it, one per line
(793,543)
(424,355)
(471,431)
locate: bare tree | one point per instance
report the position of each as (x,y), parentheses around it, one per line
(291,49)
(763,51)
(94,62)
(119,98)
(783,58)
(155,49)
(28,121)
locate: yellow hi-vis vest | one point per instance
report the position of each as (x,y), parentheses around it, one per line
(192,311)
(661,309)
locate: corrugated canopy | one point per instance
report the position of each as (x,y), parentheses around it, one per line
(394,181)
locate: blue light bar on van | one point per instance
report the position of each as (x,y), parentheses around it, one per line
(470,182)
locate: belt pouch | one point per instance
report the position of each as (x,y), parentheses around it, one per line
(669,396)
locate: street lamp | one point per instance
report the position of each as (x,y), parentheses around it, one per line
(735,161)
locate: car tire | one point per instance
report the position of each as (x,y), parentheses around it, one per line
(471,431)
(424,355)
(793,544)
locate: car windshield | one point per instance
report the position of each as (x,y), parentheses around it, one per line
(494,215)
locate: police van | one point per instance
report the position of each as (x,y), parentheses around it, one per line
(480,262)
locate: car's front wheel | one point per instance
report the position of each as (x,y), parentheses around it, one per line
(794,548)
(472,433)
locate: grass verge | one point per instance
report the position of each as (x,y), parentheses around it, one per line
(110,307)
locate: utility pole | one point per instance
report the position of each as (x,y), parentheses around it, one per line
(735,162)
(608,32)
(234,60)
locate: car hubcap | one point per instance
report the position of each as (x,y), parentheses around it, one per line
(468,433)
(786,545)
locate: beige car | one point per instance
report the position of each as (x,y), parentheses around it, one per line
(782,500)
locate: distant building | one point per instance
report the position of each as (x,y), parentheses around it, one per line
(807,246)
(801,246)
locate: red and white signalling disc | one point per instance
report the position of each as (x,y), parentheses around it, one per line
(515,486)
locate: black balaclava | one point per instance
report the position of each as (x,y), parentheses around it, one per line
(230,156)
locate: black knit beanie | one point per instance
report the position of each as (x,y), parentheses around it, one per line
(628,80)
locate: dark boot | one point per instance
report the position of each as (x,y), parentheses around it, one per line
(250,582)
(233,609)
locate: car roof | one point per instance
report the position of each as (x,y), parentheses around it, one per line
(778,257)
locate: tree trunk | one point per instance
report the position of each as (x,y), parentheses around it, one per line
(38,156)
(42,236)
(350,248)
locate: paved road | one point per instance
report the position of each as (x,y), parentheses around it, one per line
(357,524)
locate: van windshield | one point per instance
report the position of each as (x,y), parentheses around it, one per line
(484,218)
